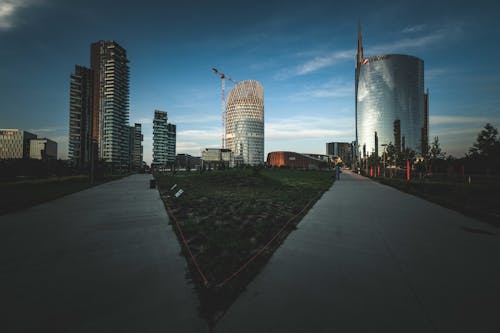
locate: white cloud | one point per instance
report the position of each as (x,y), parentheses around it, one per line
(326,128)
(9,10)
(454,120)
(316,64)
(47,130)
(433,73)
(194,118)
(402,45)
(200,135)
(412,43)
(415,28)
(332,88)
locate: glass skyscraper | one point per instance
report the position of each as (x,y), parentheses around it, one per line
(245,123)
(390,103)
(390,89)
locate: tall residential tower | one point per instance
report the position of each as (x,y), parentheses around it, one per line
(99,108)
(80,117)
(164,140)
(110,107)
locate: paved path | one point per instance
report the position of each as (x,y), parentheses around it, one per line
(368,258)
(101,260)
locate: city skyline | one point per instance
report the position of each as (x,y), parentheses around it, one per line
(305,61)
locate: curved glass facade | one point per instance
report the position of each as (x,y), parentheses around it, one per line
(390,103)
(245,122)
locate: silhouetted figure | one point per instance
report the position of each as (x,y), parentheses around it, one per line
(337,171)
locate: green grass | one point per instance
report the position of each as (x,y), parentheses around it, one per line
(228,215)
(478,199)
(26,193)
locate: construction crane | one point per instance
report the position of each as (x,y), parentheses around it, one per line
(223,79)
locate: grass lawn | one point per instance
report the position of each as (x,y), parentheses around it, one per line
(480,199)
(25,193)
(227,216)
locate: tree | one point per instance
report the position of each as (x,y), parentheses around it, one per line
(487,145)
(390,154)
(407,154)
(436,156)
(435,151)
(484,155)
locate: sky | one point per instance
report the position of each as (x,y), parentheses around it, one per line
(302,52)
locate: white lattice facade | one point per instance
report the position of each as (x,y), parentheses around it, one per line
(245,123)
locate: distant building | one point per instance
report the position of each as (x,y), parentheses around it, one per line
(245,123)
(80,117)
(15,143)
(297,160)
(343,150)
(216,157)
(135,146)
(43,149)
(172,143)
(186,161)
(164,140)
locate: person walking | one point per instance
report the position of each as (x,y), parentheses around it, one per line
(337,171)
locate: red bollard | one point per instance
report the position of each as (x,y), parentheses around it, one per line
(408,170)
(371,172)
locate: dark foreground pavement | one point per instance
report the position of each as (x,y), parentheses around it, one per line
(101,260)
(368,258)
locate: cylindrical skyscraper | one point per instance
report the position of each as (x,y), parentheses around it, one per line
(245,123)
(390,102)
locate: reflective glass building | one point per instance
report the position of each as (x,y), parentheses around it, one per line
(391,106)
(390,102)
(245,123)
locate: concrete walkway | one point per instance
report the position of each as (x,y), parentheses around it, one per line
(368,258)
(101,260)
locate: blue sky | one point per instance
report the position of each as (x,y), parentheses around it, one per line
(301,51)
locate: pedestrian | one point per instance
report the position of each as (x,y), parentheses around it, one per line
(337,171)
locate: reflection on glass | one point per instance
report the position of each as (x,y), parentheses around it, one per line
(390,95)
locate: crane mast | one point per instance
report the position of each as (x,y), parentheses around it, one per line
(223,82)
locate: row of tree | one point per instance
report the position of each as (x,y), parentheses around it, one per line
(483,157)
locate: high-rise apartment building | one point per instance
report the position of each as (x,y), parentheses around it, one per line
(245,123)
(135,146)
(99,107)
(110,106)
(164,140)
(389,101)
(80,117)
(172,142)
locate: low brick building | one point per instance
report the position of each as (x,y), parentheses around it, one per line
(296,160)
